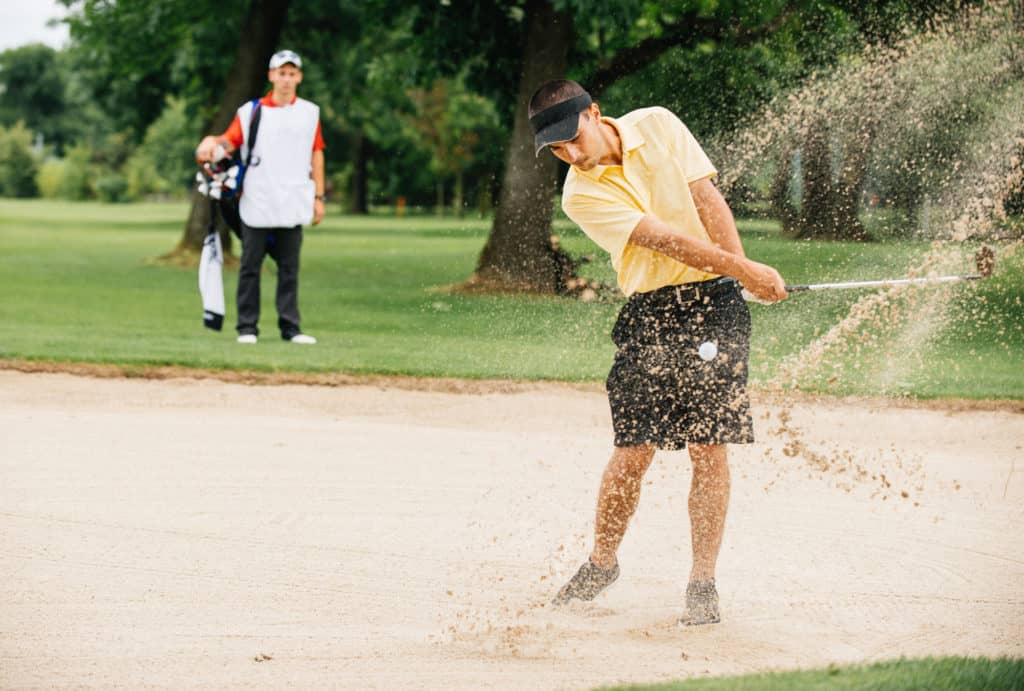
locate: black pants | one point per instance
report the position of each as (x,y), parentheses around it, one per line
(283,246)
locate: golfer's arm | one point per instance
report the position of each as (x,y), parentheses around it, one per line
(318,171)
(716,216)
(652,233)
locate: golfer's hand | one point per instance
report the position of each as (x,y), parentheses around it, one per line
(765,283)
(318,211)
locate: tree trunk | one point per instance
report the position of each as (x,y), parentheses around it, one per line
(519,253)
(457,201)
(359,198)
(485,198)
(779,195)
(851,186)
(816,168)
(1017,45)
(257,42)
(439,197)
(831,201)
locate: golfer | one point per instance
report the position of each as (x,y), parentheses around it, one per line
(282,190)
(640,187)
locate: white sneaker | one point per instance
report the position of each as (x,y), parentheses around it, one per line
(247,338)
(303,339)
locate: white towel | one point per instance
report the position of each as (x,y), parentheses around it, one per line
(211,282)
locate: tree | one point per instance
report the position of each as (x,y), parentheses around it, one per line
(358,73)
(519,253)
(450,123)
(162,162)
(609,42)
(32,90)
(911,125)
(133,55)
(129,55)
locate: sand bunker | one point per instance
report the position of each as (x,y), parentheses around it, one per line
(209,534)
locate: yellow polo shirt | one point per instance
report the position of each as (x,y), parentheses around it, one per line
(660,158)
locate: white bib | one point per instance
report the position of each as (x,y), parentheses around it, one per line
(278,190)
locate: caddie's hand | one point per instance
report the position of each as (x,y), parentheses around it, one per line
(764,282)
(318,210)
(206,152)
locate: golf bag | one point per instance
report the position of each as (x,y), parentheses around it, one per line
(223,179)
(211,280)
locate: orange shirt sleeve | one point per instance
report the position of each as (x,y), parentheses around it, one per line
(233,134)
(318,140)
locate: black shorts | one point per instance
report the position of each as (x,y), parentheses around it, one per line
(661,391)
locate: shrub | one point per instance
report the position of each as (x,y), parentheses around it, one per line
(17,163)
(76,177)
(49,177)
(164,163)
(112,187)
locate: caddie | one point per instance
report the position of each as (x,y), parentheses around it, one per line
(283,189)
(640,187)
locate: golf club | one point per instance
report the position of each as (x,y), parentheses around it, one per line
(984,261)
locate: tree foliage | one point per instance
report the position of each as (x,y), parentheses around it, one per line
(450,123)
(910,125)
(418,95)
(33,91)
(132,55)
(17,164)
(162,164)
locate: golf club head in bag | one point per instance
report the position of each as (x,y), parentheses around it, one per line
(221,181)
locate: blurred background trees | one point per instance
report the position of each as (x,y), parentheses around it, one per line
(816,112)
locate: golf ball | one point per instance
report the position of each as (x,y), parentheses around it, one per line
(707,351)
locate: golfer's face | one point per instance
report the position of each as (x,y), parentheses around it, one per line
(583,150)
(285,79)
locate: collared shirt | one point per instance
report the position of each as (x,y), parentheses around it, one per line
(236,136)
(660,158)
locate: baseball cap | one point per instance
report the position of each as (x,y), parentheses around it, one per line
(558,122)
(284,57)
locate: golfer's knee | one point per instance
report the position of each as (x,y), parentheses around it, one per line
(709,458)
(631,461)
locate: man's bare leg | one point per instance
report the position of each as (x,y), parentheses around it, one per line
(617,500)
(709,503)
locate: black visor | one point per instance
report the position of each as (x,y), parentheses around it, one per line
(559,123)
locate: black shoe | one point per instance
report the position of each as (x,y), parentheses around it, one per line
(588,582)
(701,604)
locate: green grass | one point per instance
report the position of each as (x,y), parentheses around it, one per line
(79,286)
(929,674)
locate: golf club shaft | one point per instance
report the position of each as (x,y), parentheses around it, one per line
(882,283)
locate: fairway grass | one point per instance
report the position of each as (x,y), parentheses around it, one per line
(929,674)
(81,286)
